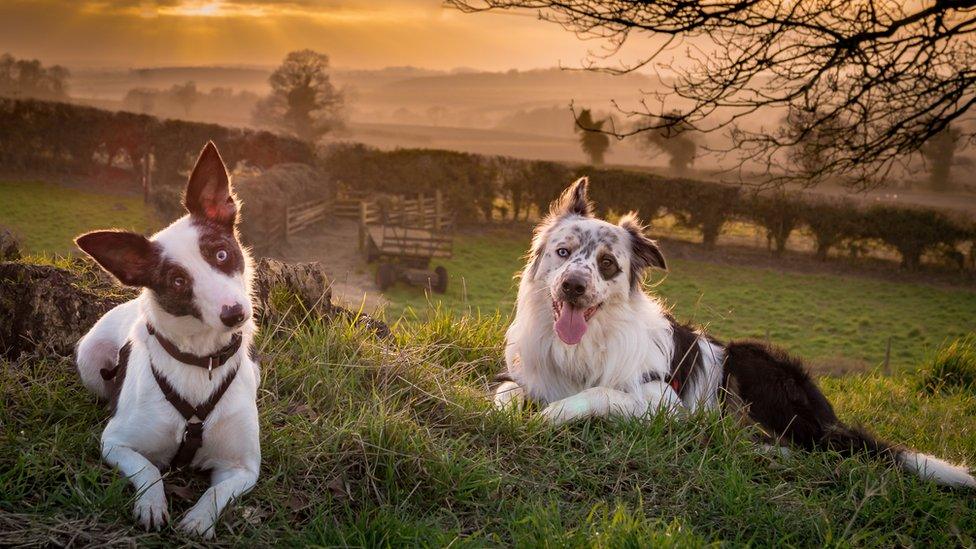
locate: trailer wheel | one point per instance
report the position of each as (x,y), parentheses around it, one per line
(385,275)
(440,282)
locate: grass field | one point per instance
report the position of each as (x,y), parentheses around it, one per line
(827,318)
(369,443)
(47,217)
(373,444)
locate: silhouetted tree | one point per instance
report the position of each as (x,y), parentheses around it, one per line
(142,100)
(939,152)
(673,140)
(814,137)
(185,95)
(594,141)
(900,72)
(303,101)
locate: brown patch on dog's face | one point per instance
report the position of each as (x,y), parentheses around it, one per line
(219,247)
(172,288)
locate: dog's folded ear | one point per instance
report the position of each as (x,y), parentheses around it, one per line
(645,251)
(574,200)
(129,257)
(208,192)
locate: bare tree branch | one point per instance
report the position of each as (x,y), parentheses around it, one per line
(893,74)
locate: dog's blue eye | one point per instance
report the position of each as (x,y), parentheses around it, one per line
(222,255)
(562,252)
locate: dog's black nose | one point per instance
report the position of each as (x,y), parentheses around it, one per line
(232,315)
(573,288)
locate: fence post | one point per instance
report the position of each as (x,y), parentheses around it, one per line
(363,212)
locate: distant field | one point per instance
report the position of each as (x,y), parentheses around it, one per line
(840,322)
(47,217)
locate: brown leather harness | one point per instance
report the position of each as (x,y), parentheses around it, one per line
(194,416)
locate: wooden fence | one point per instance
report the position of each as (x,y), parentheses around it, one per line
(301,216)
(347,204)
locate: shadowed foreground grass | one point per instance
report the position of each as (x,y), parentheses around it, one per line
(372,444)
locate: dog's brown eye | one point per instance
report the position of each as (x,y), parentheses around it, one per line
(179,282)
(221,256)
(605,262)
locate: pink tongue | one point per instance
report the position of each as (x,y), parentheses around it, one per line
(570,324)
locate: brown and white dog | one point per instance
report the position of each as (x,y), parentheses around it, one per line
(174,362)
(587,340)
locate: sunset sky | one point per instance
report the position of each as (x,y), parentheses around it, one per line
(355,33)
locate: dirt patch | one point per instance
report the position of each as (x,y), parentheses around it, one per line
(335,244)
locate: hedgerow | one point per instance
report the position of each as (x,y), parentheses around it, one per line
(62,138)
(36,135)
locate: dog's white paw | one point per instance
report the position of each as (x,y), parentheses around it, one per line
(566,410)
(150,509)
(509,394)
(199,521)
(661,398)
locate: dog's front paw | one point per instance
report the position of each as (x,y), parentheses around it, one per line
(150,509)
(199,521)
(566,410)
(509,394)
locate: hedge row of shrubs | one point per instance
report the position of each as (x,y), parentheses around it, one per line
(58,137)
(475,185)
(40,136)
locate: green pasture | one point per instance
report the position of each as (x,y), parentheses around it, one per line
(46,217)
(842,322)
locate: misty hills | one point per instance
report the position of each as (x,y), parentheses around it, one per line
(401,86)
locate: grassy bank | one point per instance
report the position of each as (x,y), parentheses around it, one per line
(47,217)
(835,320)
(367,444)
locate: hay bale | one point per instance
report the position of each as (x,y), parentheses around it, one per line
(266,196)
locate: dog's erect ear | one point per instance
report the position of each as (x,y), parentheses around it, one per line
(208,193)
(645,251)
(574,200)
(129,257)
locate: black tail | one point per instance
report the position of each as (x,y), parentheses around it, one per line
(776,392)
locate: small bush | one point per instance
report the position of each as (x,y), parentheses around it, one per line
(779,213)
(912,231)
(832,221)
(954,367)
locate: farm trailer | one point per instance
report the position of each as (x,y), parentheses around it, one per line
(404,236)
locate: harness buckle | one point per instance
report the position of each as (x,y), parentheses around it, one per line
(210,367)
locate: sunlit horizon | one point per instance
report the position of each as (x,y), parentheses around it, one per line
(356,34)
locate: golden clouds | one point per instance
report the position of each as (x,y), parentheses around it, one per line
(355,33)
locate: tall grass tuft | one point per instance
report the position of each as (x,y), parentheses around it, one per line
(953,367)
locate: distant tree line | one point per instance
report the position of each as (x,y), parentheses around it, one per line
(185,99)
(39,136)
(26,78)
(474,185)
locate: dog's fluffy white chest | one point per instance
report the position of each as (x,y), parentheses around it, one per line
(616,352)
